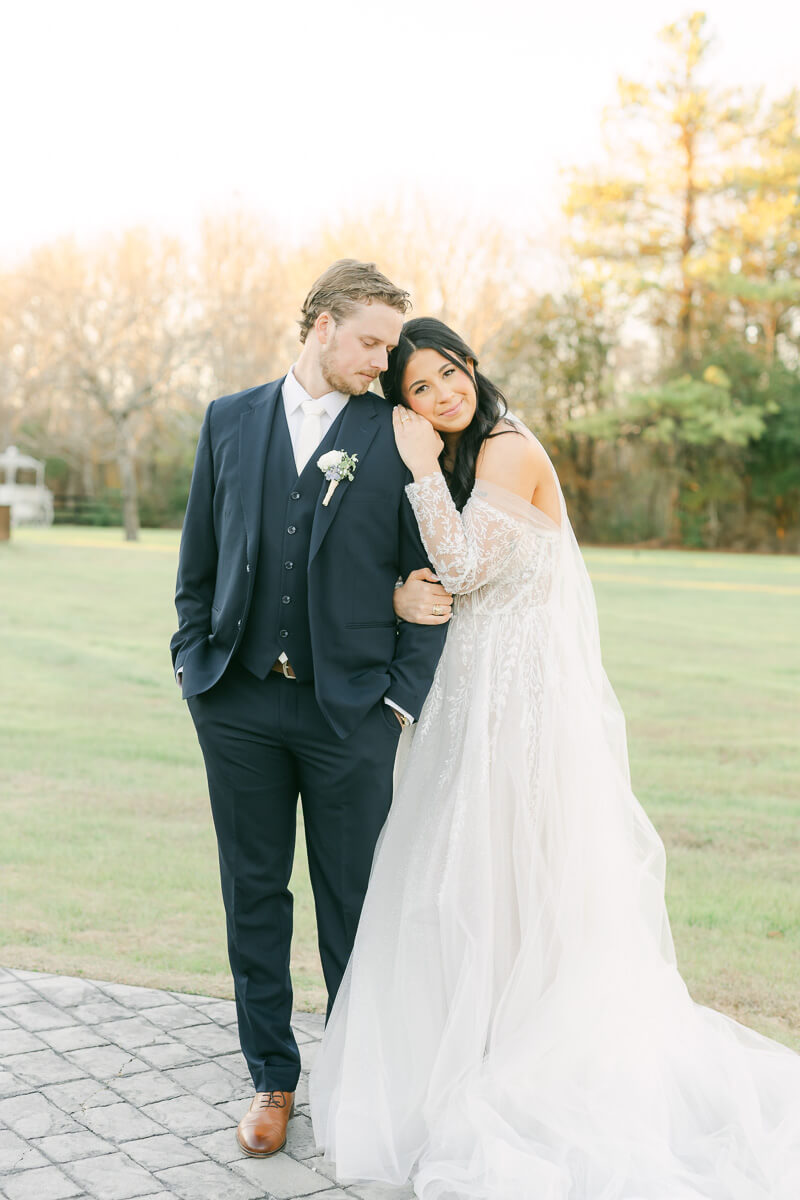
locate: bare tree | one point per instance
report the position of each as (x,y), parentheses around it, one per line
(471,273)
(115,328)
(245,302)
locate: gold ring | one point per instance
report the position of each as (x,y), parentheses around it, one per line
(437,610)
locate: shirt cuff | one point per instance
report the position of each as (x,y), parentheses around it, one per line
(397,708)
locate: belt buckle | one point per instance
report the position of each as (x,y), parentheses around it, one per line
(284,661)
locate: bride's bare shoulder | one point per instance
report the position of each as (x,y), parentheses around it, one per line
(513,458)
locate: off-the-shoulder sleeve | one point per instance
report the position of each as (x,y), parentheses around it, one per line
(467,548)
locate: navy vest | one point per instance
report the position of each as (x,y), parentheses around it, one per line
(278,617)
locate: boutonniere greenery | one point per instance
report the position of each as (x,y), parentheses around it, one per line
(336,465)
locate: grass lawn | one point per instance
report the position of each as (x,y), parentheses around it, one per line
(107,855)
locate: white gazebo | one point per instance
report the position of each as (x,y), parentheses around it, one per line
(22,487)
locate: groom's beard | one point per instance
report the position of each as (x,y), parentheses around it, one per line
(354,385)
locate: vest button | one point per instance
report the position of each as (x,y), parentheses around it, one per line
(248,568)
(284,633)
(292,529)
(285,599)
(295,495)
(288,565)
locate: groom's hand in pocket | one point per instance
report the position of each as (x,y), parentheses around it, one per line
(422,600)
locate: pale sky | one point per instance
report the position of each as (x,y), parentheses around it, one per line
(117,113)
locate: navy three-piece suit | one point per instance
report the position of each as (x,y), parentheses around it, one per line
(266,569)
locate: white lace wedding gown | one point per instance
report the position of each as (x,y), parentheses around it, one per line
(512,1025)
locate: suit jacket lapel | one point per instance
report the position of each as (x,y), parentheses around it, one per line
(255,427)
(358,428)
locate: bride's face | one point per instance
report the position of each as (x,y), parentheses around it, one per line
(439,391)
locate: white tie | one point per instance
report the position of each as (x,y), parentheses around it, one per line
(310,432)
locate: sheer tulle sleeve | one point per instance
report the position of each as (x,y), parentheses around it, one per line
(469,548)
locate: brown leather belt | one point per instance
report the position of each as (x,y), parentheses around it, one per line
(284,669)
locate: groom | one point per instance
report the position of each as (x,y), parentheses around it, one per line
(297,676)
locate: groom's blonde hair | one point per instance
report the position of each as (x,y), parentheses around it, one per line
(346,284)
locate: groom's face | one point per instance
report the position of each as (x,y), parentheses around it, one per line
(353,352)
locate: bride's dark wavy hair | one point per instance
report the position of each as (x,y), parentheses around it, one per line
(426,333)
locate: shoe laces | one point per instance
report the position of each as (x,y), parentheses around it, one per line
(272,1100)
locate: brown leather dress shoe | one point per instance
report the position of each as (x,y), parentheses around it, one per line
(262,1130)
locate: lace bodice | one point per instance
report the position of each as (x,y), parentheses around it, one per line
(500,551)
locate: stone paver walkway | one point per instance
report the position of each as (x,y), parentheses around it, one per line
(115,1092)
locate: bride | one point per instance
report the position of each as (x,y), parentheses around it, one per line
(512,1024)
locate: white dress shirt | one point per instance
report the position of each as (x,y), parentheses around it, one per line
(294,394)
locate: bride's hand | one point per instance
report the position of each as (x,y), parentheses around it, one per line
(422,600)
(418,443)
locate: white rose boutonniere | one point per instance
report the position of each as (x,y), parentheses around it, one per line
(336,465)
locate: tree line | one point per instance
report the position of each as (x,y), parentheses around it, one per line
(660,365)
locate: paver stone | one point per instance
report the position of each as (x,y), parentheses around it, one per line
(301,1092)
(10,1085)
(40,1067)
(131,1033)
(210,1082)
(80,1094)
(313,1023)
(13,991)
(187,997)
(72,1037)
(32,1116)
(120,1122)
(308,1053)
(39,1014)
(165,1150)
(282,1177)
(134,997)
(93,1011)
(113,1177)
(176,1015)
(70,1147)
(209,1039)
(221,1011)
(322,1167)
(146,1088)
(221,1145)
(19,1041)
(237,1066)
(203,1180)
(381,1191)
(187,1116)
(45,1183)
(66,992)
(235,1109)
(338,1194)
(16,1154)
(105,1062)
(169,1053)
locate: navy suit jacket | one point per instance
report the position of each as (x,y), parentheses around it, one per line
(360,543)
